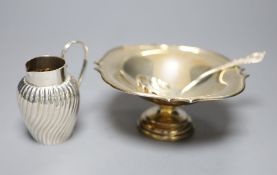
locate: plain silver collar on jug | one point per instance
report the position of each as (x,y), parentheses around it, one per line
(46,71)
(51,70)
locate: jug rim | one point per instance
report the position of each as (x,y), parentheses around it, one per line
(45,63)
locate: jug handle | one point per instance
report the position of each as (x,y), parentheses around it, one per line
(85,48)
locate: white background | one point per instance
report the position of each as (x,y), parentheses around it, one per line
(234,136)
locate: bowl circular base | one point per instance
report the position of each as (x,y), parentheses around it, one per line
(165,124)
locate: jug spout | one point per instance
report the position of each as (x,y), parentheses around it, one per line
(46,71)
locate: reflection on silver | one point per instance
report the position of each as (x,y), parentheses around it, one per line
(49,112)
(158,73)
(48,98)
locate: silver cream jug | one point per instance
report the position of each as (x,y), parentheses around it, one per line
(48,97)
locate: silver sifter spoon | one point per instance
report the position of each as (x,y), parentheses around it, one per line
(255,57)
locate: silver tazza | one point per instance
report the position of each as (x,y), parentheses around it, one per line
(48,97)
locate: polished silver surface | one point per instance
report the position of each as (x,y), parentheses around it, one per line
(48,98)
(159,72)
(49,112)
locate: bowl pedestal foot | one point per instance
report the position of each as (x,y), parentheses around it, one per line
(166,123)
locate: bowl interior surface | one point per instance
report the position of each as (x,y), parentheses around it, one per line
(160,72)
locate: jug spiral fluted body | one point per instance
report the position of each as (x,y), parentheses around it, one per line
(49,98)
